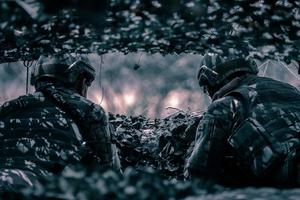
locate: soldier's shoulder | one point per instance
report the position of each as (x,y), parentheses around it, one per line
(266,82)
(29,100)
(82,105)
(94,111)
(86,101)
(99,113)
(224,104)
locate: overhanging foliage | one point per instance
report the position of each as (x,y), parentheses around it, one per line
(261,29)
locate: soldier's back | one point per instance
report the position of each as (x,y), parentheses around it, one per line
(36,137)
(268,138)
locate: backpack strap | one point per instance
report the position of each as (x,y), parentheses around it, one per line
(80,113)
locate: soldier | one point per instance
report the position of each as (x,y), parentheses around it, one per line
(56,126)
(250,132)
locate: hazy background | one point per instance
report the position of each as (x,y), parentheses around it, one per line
(143,84)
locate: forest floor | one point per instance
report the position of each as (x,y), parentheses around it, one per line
(152,153)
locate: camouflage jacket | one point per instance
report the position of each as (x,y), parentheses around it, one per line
(249,134)
(43,132)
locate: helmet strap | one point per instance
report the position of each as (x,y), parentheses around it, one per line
(81,85)
(205,89)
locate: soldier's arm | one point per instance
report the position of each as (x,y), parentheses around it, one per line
(213,130)
(103,147)
(100,141)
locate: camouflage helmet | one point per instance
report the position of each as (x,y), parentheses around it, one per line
(65,68)
(215,71)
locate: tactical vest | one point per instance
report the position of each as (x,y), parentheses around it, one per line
(37,136)
(93,123)
(268,138)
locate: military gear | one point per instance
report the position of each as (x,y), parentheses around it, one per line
(37,136)
(215,72)
(92,121)
(54,127)
(65,69)
(15,179)
(250,135)
(207,74)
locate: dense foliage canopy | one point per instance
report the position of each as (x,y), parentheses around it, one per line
(256,28)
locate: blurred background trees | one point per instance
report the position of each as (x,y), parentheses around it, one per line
(145,84)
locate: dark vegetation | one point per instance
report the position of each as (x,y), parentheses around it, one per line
(152,151)
(162,144)
(262,29)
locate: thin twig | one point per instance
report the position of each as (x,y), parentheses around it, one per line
(100,82)
(141,54)
(144,111)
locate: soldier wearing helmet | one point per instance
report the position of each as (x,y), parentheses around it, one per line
(250,132)
(56,126)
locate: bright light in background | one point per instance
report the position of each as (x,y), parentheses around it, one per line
(98,99)
(129,98)
(173,99)
(114,101)
(131,92)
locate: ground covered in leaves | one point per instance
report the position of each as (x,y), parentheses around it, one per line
(140,185)
(161,144)
(152,153)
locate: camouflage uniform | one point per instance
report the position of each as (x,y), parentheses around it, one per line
(249,135)
(41,133)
